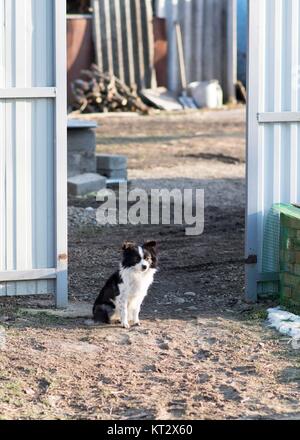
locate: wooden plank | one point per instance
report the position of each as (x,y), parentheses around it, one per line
(124,43)
(119,40)
(107,13)
(130,52)
(150,41)
(97,28)
(140,43)
(161,50)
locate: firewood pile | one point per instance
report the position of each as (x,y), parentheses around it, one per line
(96,92)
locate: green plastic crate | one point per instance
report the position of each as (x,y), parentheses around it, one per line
(281,255)
(289,256)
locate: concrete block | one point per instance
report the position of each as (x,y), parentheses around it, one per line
(81,123)
(111,162)
(114,184)
(81,163)
(83,184)
(82,140)
(81,147)
(113,174)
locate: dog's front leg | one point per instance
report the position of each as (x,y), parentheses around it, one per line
(136,314)
(124,313)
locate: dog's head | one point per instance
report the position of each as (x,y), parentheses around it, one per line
(142,258)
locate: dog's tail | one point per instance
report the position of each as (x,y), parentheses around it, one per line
(102,313)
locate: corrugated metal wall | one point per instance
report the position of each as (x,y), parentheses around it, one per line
(209,38)
(273,159)
(124,40)
(27,144)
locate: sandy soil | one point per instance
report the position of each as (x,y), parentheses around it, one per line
(201,352)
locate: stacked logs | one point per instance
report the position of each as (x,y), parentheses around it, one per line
(96,91)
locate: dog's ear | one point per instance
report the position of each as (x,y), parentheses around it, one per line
(128,245)
(150,244)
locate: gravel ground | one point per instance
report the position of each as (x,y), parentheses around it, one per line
(201,352)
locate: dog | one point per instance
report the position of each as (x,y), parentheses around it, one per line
(124,292)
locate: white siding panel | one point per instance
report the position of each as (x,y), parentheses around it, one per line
(2,200)
(2,43)
(294,96)
(273,159)
(10,181)
(32,137)
(43,183)
(27,191)
(2,153)
(29,43)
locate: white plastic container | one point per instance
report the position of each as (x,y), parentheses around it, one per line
(206,93)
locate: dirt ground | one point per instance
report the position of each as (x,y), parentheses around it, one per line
(201,351)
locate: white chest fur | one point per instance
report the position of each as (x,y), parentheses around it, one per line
(135,283)
(133,290)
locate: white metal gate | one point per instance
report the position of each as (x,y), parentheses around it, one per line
(33,152)
(273,155)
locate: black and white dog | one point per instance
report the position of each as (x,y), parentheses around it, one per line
(123,294)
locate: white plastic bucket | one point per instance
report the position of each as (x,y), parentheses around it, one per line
(206,93)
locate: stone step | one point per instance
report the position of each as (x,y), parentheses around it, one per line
(111,162)
(113,174)
(83,184)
